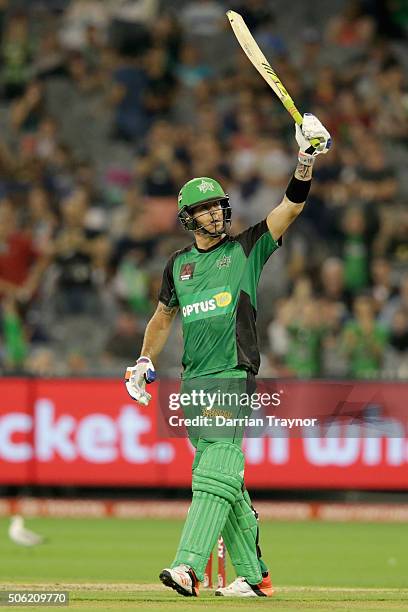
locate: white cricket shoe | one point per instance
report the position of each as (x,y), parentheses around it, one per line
(182,579)
(241,588)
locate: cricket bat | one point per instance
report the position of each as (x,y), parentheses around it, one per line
(257,58)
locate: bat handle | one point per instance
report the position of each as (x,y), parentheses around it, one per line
(314,143)
(299,120)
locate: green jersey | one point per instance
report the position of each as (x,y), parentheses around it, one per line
(366,354)
(305,347)
(215,290)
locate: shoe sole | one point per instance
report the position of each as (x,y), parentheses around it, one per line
(168,581)
(258,593)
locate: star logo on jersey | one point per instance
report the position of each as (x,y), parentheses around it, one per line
(205,186)
(224,262)
(187,271)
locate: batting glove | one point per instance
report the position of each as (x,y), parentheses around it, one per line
(137,377)
(312,129)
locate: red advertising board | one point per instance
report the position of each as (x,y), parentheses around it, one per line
(89,432)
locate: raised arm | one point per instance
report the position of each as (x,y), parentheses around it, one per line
(281,217)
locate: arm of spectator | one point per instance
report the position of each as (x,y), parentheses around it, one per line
(384,236)
(348,341)
(71,240)
(19,113)
(375,338)
(7,161)
(30,286)
(24,105)
(7,288)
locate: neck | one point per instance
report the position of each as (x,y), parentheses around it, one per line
(205,242)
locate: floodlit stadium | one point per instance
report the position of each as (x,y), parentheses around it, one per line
(203,304)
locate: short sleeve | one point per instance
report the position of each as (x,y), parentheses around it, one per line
(167,293)
(257,242)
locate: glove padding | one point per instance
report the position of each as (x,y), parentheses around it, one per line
(311,129)
(137,377)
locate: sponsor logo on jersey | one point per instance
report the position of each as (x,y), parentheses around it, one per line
(210,303)
(223,299)
(224,262)
(187,271)
(205,186)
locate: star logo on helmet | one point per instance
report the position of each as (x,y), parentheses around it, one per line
(205,186)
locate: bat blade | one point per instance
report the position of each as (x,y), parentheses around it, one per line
(259,61)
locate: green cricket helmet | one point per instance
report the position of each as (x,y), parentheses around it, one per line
(199,191)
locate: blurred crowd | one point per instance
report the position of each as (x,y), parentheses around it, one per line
(108,107)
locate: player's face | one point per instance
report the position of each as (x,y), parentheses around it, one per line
(209,216)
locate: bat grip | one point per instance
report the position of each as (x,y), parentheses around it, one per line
(314,142)
(310,150)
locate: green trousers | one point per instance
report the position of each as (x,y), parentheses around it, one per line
(240,529)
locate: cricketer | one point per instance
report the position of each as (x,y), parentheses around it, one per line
(213,283)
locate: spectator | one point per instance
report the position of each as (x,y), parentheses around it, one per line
(332,283)
(28,111)
(131,282)
(383,288)
(16,54)
(399,302)
(278,335)
(355,252)
(43,361)
(166,32)
(21,267)
(396,354)
(376,181)
(333,360)
(191,72)
(41,220)
(129,83)
(352,28)
(202,18)
(184,105)
(160,84)
(159,171)
(46,138)
(50,58)
(305,335)
(85,77)
(364,340)
(125,339)
(80,14)
(392,239)
(59,174)
(15,345)
(72,249)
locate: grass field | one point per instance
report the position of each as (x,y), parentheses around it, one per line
(110,564)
